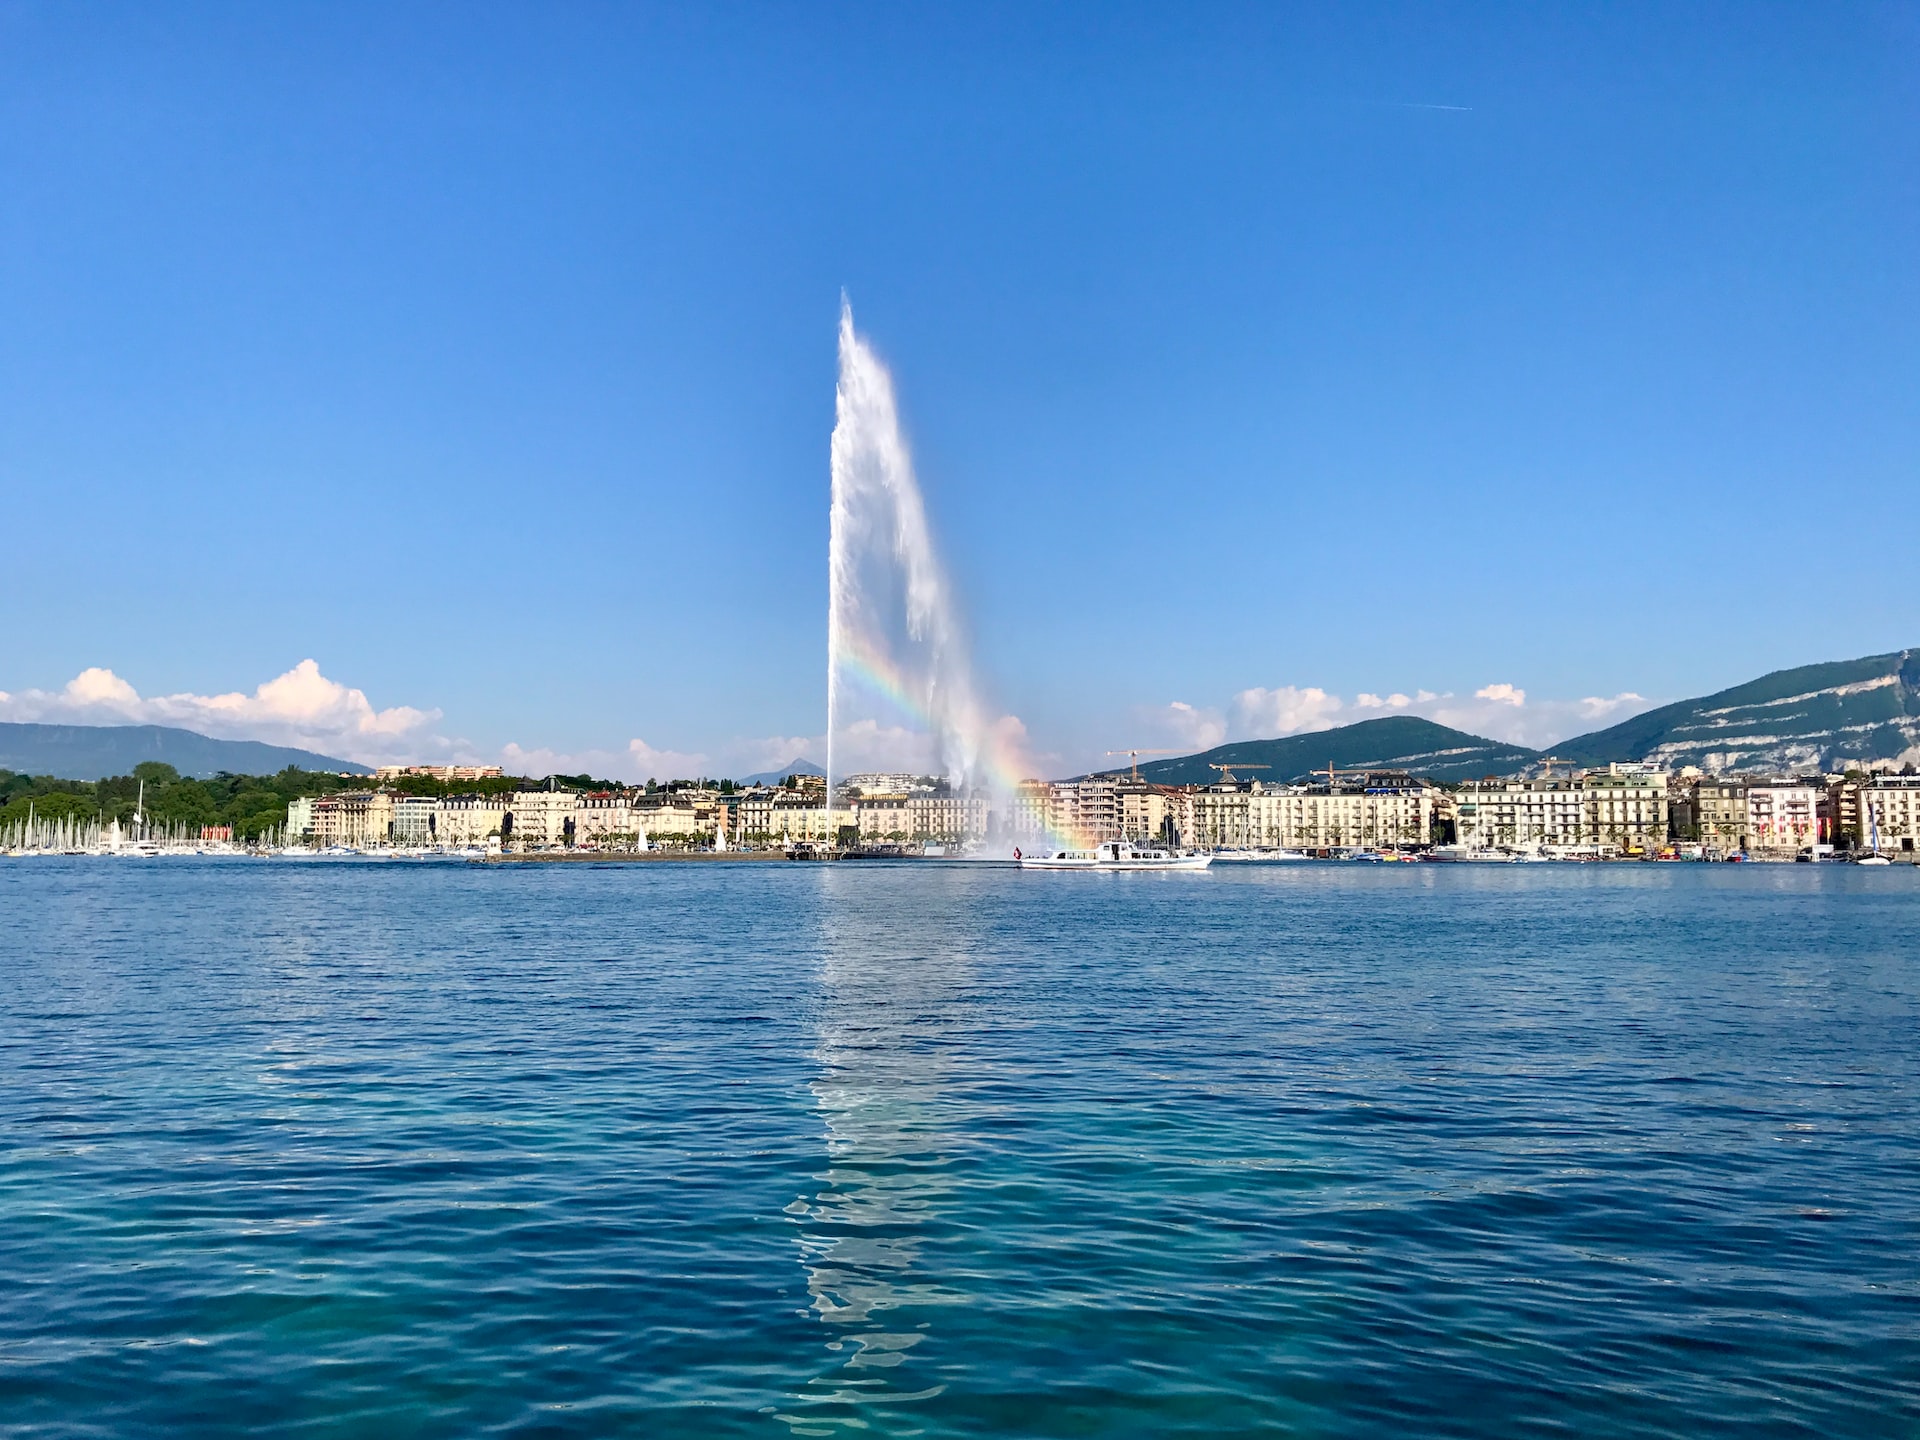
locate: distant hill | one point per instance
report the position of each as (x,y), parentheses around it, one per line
(1814,717)
(88,752)
(774,777)
(1395,742)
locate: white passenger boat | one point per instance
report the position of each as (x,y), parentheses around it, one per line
(1256,857)
(1114,855)
(1468,855)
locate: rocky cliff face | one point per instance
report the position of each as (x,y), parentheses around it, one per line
(1816,717)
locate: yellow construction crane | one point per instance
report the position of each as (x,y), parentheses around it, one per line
(1547,762)
(1136,754)
(1226,771)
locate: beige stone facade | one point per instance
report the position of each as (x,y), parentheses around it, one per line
(359,818)
(542,819)
(464,820)
(1493,813)
(1622,808)
(1392,813)
(604,820)
(1720,814)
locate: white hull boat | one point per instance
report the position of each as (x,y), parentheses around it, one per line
(1114,855)
(1465,855)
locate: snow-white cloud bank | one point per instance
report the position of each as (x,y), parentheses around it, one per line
(302,708)
(306,709)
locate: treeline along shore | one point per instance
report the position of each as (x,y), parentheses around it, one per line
(250,808)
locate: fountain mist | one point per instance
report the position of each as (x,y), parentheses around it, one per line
(891,618)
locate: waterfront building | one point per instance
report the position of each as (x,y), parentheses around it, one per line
(752,816)
(356,818)
(1720,813)
(946,818)
(1627,804)
(300,818)
(1375,810)
(604,819)
(936,816)
(782,816)
(1156,813)
(881,815)
(1840,811)
(797,815)
(414,818)
(1087,810)
(686,816)
(1683,817)
(1027,810)
(1890,805)
(542,819)
(1623,807)
(1781,816)
(1223,816)
(463,820)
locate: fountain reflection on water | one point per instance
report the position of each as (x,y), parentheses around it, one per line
(895,1095)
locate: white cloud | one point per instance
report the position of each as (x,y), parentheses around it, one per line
(1503,712)
(664,764)
(869,745)
(1500,710)
(639,761)
(1599,709)
(302,708)
(1287,710)
(1183,725)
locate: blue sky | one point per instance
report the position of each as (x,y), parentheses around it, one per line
(485,357)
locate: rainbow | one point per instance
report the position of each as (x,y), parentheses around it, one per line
(858,658)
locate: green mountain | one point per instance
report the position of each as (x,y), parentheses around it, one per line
(86,752)
(1816,717)
(1396,742)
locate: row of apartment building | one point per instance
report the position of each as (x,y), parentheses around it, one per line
(621,819)
(1625,807)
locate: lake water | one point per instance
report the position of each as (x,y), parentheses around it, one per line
(1327,1150)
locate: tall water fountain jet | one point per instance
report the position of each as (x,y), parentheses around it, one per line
(891,617)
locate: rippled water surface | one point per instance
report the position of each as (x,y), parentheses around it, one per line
(834,1150)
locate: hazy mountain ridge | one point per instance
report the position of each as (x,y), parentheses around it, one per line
(87,752)
(774,777)
(1812,717)
(1393,742)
